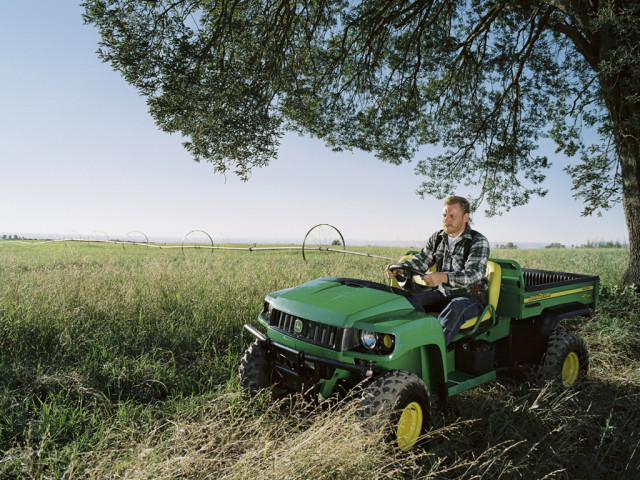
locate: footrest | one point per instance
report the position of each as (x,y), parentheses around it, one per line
(460,381)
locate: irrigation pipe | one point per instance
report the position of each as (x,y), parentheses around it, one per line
(362,254)
(334,232)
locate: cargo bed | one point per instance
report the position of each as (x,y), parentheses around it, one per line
(527,292)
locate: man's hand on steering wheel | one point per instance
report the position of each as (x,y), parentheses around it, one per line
(431,279)
(398,270)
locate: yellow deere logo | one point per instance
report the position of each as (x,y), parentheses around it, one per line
(297,327)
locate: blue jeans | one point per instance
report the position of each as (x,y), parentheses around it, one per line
(453,311)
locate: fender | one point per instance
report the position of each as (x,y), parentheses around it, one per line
(550,317)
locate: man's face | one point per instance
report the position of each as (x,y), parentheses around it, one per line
(453,221)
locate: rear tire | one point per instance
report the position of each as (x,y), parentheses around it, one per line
(397,403)
(567,359)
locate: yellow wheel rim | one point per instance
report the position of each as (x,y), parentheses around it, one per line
(409,426)
(570,369)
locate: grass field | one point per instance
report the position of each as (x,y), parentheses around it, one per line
(122,363)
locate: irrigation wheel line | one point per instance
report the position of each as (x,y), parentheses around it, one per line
(146,239)
(130,241)
(196,246)
(93,237)
(322,237)
(321,241)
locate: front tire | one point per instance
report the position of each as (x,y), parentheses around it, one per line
(254,372)
(567,359)
(397,402)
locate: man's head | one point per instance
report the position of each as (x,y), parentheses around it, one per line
(455,215)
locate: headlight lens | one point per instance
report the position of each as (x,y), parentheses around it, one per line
(379,343)
(266,311)
(368,339)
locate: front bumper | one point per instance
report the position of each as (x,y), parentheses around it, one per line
(300,366)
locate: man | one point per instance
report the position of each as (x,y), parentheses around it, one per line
(459,283)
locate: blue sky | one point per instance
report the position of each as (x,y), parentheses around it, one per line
(79,154)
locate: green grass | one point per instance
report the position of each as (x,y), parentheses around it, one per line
(122,363)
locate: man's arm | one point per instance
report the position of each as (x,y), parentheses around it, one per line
(475,267)
(426,257)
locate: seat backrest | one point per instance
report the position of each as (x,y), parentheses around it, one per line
(494,274)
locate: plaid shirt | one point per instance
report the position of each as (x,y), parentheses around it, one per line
(465,278)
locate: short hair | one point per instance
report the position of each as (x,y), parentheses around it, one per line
(463,202)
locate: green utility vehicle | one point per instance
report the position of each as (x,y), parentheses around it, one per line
(332,334)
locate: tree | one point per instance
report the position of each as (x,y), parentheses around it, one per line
(483,80)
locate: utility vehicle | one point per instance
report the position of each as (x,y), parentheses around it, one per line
(332,334)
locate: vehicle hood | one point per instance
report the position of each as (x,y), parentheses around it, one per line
(342,301)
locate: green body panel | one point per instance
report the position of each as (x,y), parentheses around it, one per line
(536,302)
(419,341)
(333,303)
(419,338)
(511,289)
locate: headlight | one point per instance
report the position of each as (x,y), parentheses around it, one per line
(368,339)
(388,341)
(266,311)
(380,343)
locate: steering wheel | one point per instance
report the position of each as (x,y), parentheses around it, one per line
(404,282)
(406,268)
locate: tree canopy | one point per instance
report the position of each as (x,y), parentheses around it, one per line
(481,80)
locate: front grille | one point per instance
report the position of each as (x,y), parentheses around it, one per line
(318,333)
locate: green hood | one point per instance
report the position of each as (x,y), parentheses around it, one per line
(341,301)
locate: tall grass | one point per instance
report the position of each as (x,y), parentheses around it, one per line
(608,263)
(122,363)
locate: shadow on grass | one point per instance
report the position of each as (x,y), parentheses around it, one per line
(527,430)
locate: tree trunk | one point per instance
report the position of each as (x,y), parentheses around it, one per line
(629,154)
(624,117)
(624,113)
(620,86)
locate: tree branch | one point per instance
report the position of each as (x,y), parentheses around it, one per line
(579,41)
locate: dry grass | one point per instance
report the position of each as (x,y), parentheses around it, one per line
(511,428)
(233,438)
